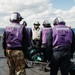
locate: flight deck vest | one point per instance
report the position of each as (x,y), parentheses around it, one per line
(62,36)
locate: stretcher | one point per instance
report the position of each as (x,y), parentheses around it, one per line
(37,59)
(45,66)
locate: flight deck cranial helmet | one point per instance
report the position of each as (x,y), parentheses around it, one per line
(46,24)
(58,21)
(15,16)
(37,23)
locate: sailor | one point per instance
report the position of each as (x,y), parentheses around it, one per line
(14,43)
(60,44)
(36,33)
(45,30)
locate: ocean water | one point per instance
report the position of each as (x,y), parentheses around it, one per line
(1,31)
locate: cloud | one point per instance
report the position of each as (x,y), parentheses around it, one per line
(67,15)
(34,10)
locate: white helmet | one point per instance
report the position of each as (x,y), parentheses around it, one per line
(15,16)
(46,23)
(37,23)
(58,20)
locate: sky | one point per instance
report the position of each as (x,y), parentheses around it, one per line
(38,10)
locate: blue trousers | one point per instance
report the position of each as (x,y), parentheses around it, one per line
(60,59)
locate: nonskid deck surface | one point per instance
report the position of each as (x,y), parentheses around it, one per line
(30,71)
(35,69)
(35,66)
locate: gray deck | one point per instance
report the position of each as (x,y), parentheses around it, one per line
(29,71)
(4,66)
